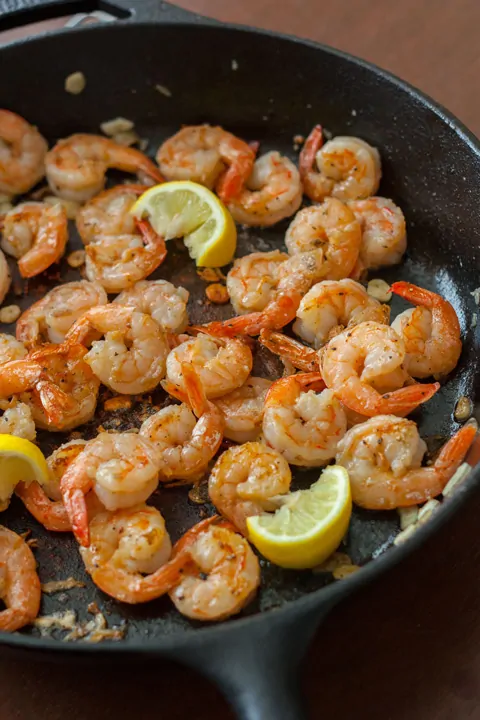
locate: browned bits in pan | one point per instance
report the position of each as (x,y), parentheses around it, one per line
(217,294)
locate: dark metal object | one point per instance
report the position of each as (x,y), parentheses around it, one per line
(281,87)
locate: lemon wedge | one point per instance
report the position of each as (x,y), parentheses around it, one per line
(310,524)
(20,461)
(189,210)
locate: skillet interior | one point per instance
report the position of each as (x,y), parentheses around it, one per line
(279,90)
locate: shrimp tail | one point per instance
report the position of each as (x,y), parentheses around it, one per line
(425,298)
(55,403)
(174,391)
(196,394)
(406,399)
(312,145)
(152,239)
(281,312)
(76,507)
(17,376)
(453,452)
(51,514)
(301,356)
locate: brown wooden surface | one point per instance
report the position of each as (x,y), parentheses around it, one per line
(409,646)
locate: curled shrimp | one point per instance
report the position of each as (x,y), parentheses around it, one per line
(348,168)
(121,468)
(243,408)
(246,480)
(131,357)
(36,234)
(19,582)
(222,365)
(166,303)
(271,193)
(332,231)
(333,305)
(76,167)
(108,214)
(383,457)
(207,155)
(45,502)
(49,319)
(253,279)
(364,367)
(221,576)
(186,445)
(129,553)
(300,356)
(431,332)
(384,234)
(296,277)
(5,277)
(55,382)
(22,154)
(118,263)
(303,421)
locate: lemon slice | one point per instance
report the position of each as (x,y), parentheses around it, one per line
(189,210)
(20,461)
(310,524)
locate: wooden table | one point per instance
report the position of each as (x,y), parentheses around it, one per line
(409,646)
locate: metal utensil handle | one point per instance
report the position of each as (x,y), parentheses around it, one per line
(15,13)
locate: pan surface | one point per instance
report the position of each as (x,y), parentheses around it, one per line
(264,88)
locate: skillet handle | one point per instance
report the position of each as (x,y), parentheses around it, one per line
(259,668)
(15,13)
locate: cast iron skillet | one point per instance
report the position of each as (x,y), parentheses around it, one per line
(276,88)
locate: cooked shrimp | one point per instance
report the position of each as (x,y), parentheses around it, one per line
(166,303)
(431,332)
(117,263)
(303,421)
(242,410)
(49,319)
(300,356)
(5,277)
(129,552)
(131,357)
(331,306)
(186,445)
(224,578)
(108,214)
(246,480)
(383,457)
(362,363)
(271,193)
(384,234)
(19,582)
(76,166)
(348,168)
(17,420)
(296,277)
(22,154)
(121,468)
(36,234)
(45,502)
(55,382)
(253,279)
(221,364)
(207,155)
(331,230)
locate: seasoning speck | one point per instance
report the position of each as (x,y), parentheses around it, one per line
(75,83)
(163,90)
(76,258)
(463,409)
(217,294)
(9,314)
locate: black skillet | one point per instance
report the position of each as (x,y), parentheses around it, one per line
(269,88)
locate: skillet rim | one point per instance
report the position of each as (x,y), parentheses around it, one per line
(326,597)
